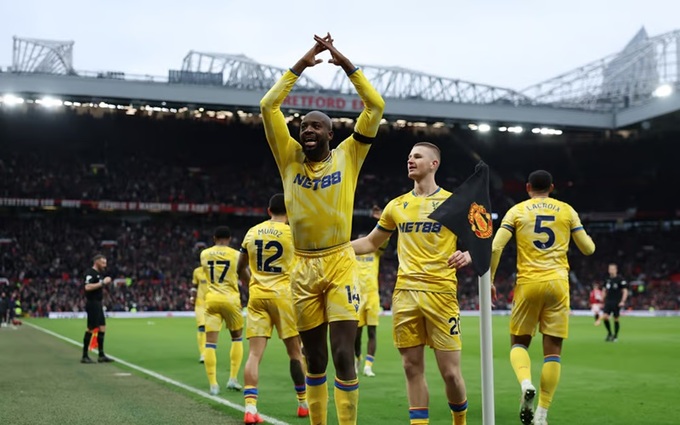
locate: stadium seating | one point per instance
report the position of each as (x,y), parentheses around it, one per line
(114,157)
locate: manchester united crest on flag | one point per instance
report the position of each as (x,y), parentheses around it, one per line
(467,213)
(480,221)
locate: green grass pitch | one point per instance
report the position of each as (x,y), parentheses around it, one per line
(633,381)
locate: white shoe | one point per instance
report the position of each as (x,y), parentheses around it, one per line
(201,359)
(541,417)
(234,385)
(368,371)
(214,389)
(526,406)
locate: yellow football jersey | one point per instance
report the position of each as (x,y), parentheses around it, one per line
(320,195)
(542,228)
(424,245)
(200,282)
(369,266)
(270,256)
(369,269)
(219,266)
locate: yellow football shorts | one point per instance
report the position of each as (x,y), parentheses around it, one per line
(324,287)
(223,308)
(369,310)
(264,314)
(545,304)
(431,318)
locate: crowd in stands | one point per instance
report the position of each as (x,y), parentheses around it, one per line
(115,157)
(44,256)
(132,158)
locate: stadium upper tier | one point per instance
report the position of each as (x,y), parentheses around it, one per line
(613,92)
(117,157)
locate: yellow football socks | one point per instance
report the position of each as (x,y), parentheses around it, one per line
(236,356)
(250,395)
(317,398)
(521,362)
(211,363)
(346,400)
(200,338)
(550,377)
(459,412)
(419,415)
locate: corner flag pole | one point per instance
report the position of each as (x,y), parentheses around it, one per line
(486,342)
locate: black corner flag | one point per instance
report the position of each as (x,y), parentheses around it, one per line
(467,213)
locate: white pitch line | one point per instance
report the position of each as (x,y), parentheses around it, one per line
(163,378)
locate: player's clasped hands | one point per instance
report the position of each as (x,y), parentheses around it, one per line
(106,280)
(322,44)
(337,58)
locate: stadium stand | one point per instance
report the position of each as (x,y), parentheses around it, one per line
(73,155)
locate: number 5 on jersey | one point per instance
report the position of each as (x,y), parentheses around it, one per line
(541,228)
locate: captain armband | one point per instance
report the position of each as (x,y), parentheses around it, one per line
(362,139)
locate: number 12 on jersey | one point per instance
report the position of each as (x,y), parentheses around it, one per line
(265,264)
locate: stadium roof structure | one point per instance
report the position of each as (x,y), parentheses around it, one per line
(42,56)
(639,83)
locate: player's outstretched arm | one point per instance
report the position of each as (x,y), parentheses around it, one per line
(583,242)
(369,121)
(370,243)
(242,268)
(501,239)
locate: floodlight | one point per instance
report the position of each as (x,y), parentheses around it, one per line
(663,90)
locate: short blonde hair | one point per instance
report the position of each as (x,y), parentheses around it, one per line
(433,147)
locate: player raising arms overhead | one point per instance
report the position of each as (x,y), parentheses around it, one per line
(319,185)
(542,227)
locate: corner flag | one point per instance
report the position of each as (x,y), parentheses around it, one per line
(467,213)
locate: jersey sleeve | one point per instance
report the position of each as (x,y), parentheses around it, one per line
(283,146)
(575,221)
(503,236)
(382,248)
(509,221)
(195,279)
(369,120)
(91,278)
(583,242)
(247,239)
(386,222)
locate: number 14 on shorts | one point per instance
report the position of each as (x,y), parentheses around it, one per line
(353,296)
